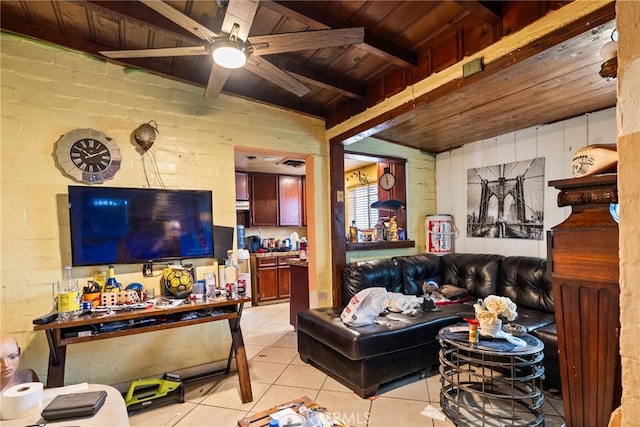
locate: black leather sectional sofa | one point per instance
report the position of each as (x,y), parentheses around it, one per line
(363,358)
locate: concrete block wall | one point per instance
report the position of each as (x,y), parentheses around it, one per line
(47,92)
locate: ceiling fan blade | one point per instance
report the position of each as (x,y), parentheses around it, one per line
(292,42)
(217,78)
(241,12)
(191,25)
(270,72)
(155,53)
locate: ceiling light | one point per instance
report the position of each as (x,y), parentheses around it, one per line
(229,54)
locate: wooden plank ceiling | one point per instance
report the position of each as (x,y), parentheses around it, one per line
(404,42)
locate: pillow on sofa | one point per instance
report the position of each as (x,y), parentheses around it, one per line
(452,292)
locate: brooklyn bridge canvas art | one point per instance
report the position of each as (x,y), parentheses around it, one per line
(507,200)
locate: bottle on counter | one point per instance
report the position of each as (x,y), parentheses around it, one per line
(68,296)
(393,229)
(210,284)
(353,232)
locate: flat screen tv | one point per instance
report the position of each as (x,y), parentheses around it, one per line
(130,225)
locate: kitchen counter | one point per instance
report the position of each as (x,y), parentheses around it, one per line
(268,254)
(299,262)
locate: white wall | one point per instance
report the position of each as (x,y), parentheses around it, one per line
(556,142)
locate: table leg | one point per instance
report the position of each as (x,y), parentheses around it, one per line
(241,360)
(57,361)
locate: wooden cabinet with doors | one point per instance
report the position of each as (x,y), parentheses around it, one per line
(289,200)
(273,278)
(583,255)
(264,200)
(242,186)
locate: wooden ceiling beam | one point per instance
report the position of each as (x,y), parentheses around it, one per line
(405,111)
(310,15)
(142,15)
(325,81)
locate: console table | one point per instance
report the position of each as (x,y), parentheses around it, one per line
(481,384)
(98,326)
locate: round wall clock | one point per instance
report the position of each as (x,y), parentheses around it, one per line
(88,155)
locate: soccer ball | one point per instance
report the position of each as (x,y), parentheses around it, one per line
(179,283)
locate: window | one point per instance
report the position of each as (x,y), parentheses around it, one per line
(359,200)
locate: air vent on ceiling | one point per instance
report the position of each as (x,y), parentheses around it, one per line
(296,163)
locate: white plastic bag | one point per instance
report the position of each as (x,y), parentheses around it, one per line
(364,307)
(401,303)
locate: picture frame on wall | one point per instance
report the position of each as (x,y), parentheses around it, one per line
(507,200)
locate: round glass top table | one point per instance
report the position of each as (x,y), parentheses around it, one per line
(492,382)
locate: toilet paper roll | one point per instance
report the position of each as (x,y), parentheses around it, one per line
(21,400)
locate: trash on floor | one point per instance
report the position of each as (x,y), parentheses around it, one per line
(435,413)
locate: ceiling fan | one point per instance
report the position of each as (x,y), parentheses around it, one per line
(234,45)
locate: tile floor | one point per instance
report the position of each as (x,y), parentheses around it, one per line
(278,375)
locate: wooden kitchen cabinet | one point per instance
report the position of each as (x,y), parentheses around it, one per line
(273,278)
(242,186)
(264,200)
(583,255)
(290,200)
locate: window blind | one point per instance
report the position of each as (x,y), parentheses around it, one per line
(358,207)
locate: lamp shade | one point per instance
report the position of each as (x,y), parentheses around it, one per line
(229,54)
(609,50)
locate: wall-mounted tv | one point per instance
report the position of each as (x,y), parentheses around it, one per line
(129,225)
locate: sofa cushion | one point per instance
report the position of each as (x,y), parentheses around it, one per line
(366,274)
(324,325)
(417,269)
(534,319)
(526,281)
(477,273)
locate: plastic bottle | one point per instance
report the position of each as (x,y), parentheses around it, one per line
(230,275)
(244,272)
(112,284)
(68,296)
(210,284)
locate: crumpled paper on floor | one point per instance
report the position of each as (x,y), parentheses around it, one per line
(435,413)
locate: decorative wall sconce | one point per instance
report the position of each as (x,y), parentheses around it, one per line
(609,52)
(145,135)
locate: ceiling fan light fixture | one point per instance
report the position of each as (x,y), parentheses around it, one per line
(229,54)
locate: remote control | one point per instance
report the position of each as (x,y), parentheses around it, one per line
(47,318)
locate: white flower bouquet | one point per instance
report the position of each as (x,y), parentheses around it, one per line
(490,309)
